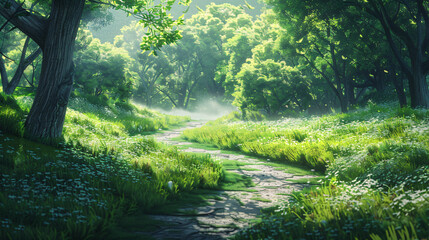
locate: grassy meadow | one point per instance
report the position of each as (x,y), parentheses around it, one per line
(376,162)
(105,168)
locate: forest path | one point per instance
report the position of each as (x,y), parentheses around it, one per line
(231,210)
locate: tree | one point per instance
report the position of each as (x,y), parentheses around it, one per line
(271,86)
(186,70)
(103,71)
(150,69)
(55,33)
(404,24)
(343,49)
(239,48)
(318,39)
(409,22)
(23,62)
(266,82)
(212,29)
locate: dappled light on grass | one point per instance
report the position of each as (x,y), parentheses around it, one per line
(103,169)
(376,162)
(48,192)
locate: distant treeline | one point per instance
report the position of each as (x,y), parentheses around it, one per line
(296,56)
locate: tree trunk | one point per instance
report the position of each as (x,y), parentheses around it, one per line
(419,89)
(417,81)
(349,89)
(399,85)
(343,103)
(46,118)
(420,92)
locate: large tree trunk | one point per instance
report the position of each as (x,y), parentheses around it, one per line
(46,118)
(419,89)
(417,82)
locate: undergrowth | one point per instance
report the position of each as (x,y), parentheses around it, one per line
(376,162)
(103,169)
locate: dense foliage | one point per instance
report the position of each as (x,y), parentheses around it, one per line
(298,56)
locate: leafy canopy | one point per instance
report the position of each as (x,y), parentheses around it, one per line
(161,28)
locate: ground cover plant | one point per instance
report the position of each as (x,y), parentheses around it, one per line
(102,170)
(376,162)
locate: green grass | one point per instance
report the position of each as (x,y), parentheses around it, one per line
(373,167)
(259,139)
(101,129)
(232,164)
(238,200)
(312,181)
(261,199)
(342,211)
(104,171)
(236,182)
(291,168)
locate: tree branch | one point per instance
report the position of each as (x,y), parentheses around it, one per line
(168,95)
(397,30)
(9,87)
(426,27)
(331,85)
(30,24)
(387,31)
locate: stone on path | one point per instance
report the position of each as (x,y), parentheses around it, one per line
(223,218)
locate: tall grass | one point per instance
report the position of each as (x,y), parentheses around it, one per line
(104,169)
(11,115)
(316,141)
(376,162)
(349,211)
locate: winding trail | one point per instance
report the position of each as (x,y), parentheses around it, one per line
(233,210)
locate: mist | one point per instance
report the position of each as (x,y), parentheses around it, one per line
(206,110)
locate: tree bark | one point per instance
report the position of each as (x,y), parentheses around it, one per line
(399,85)
(418,87)
(30,24)
(343,104)
(419,91)
(46,118)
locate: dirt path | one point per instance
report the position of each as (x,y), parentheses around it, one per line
(233,210)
